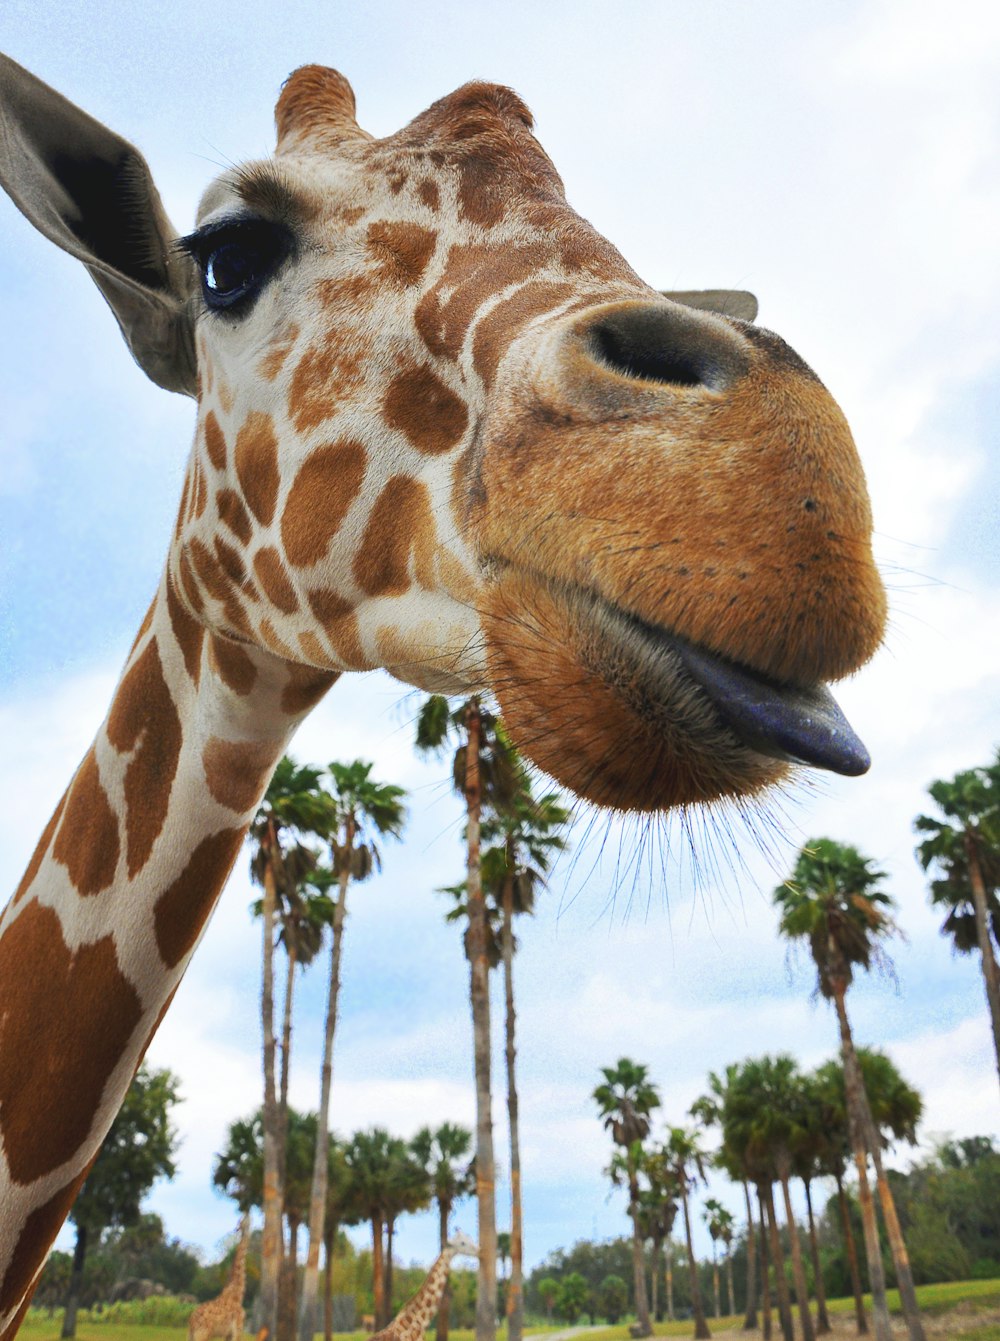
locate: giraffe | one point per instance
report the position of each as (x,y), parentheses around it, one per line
(223,1316)
(442,428)
(412,1321)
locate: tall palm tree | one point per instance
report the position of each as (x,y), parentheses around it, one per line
(833,899)
(369,1156)
(811,1160)
(362,810)
(707,1110)
(484,773)
(407,1189)
(828,1081)
(962,848)
(292,808)
(524,836)
(444,1154)
(765,1108)
(688,1161)
(658,1208)
(625,1100)
(711,1213)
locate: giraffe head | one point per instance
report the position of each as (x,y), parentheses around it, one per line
(443,428)
(462,1246)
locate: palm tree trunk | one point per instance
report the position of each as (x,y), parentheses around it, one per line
(729,1283)
(822,1318)
(75,1283)
(479,991)
(444,1307)
(697,1308)
(515,1289)
(857,1128)
(321,1152)
(798,1266)
(670,1280)
(286,1052)
(271,1242)
(654,1282)
(330,1244)
(765,1275)
(778,1259)
(715,1284)
(390,1226)
(750,1320)
(991,971)
(638,1260)
(852,1258)
(378,1275)
(900,1257)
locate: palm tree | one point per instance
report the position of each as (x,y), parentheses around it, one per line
(625,1101)
(444,1154)
(710,1214)
(524,835)
(369,1156)
(484,772)
(658,1211)
(707,1110)
(292,807)
(361,809)
(765,1109)
(407,1189)
(828,1081)
(688,1162)
(811,1160)
(963,849)
(833,899)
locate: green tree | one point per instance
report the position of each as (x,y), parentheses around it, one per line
(524,834)
(626,1101)
(484,773)
(829,1091)
(444,1154)
(961,848)
(688,1162)
(361,810)
(138,1149)
(657,1213)
(572,1297)
(834,901)
(719,1222)
(548,1289)
(612,1298)
(293,807)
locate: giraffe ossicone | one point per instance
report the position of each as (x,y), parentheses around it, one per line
(442,428)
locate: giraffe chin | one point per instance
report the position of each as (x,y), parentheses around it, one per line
(587,699)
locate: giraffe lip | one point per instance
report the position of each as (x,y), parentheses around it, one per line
(795,724)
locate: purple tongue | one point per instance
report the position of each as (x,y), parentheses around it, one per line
(804,726)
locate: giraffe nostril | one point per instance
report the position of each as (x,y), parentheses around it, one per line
(667,344)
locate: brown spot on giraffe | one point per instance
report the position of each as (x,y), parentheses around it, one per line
(63,1029)
(274,360)
(232,664)
(257,465)
(144,719)
(429,194)
(38,856)
(401,250)
(325,487)
(190,635)
(87,839)
(237,771)
(147,619)
(230,561)
(270,573)
(215,441)
(206,566)
(340,624)
(274,642)
(232,513)
(189,581)
(329,372)
(306,684)
(504,323)
(401,525)
(182,909)
(420,405)
(40,1228)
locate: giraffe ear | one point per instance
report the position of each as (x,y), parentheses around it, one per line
(91,193)
(729,302)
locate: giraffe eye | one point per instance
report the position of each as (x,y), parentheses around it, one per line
(236,259)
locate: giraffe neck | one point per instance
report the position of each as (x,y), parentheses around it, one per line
(413,1319)
(118,893)
(236,1284)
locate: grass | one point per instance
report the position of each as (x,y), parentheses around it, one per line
(968,1297)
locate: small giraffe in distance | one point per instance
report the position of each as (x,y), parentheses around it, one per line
(223,1316)
(441,428)
(412,1321)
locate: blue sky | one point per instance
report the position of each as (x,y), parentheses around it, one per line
(841,161)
